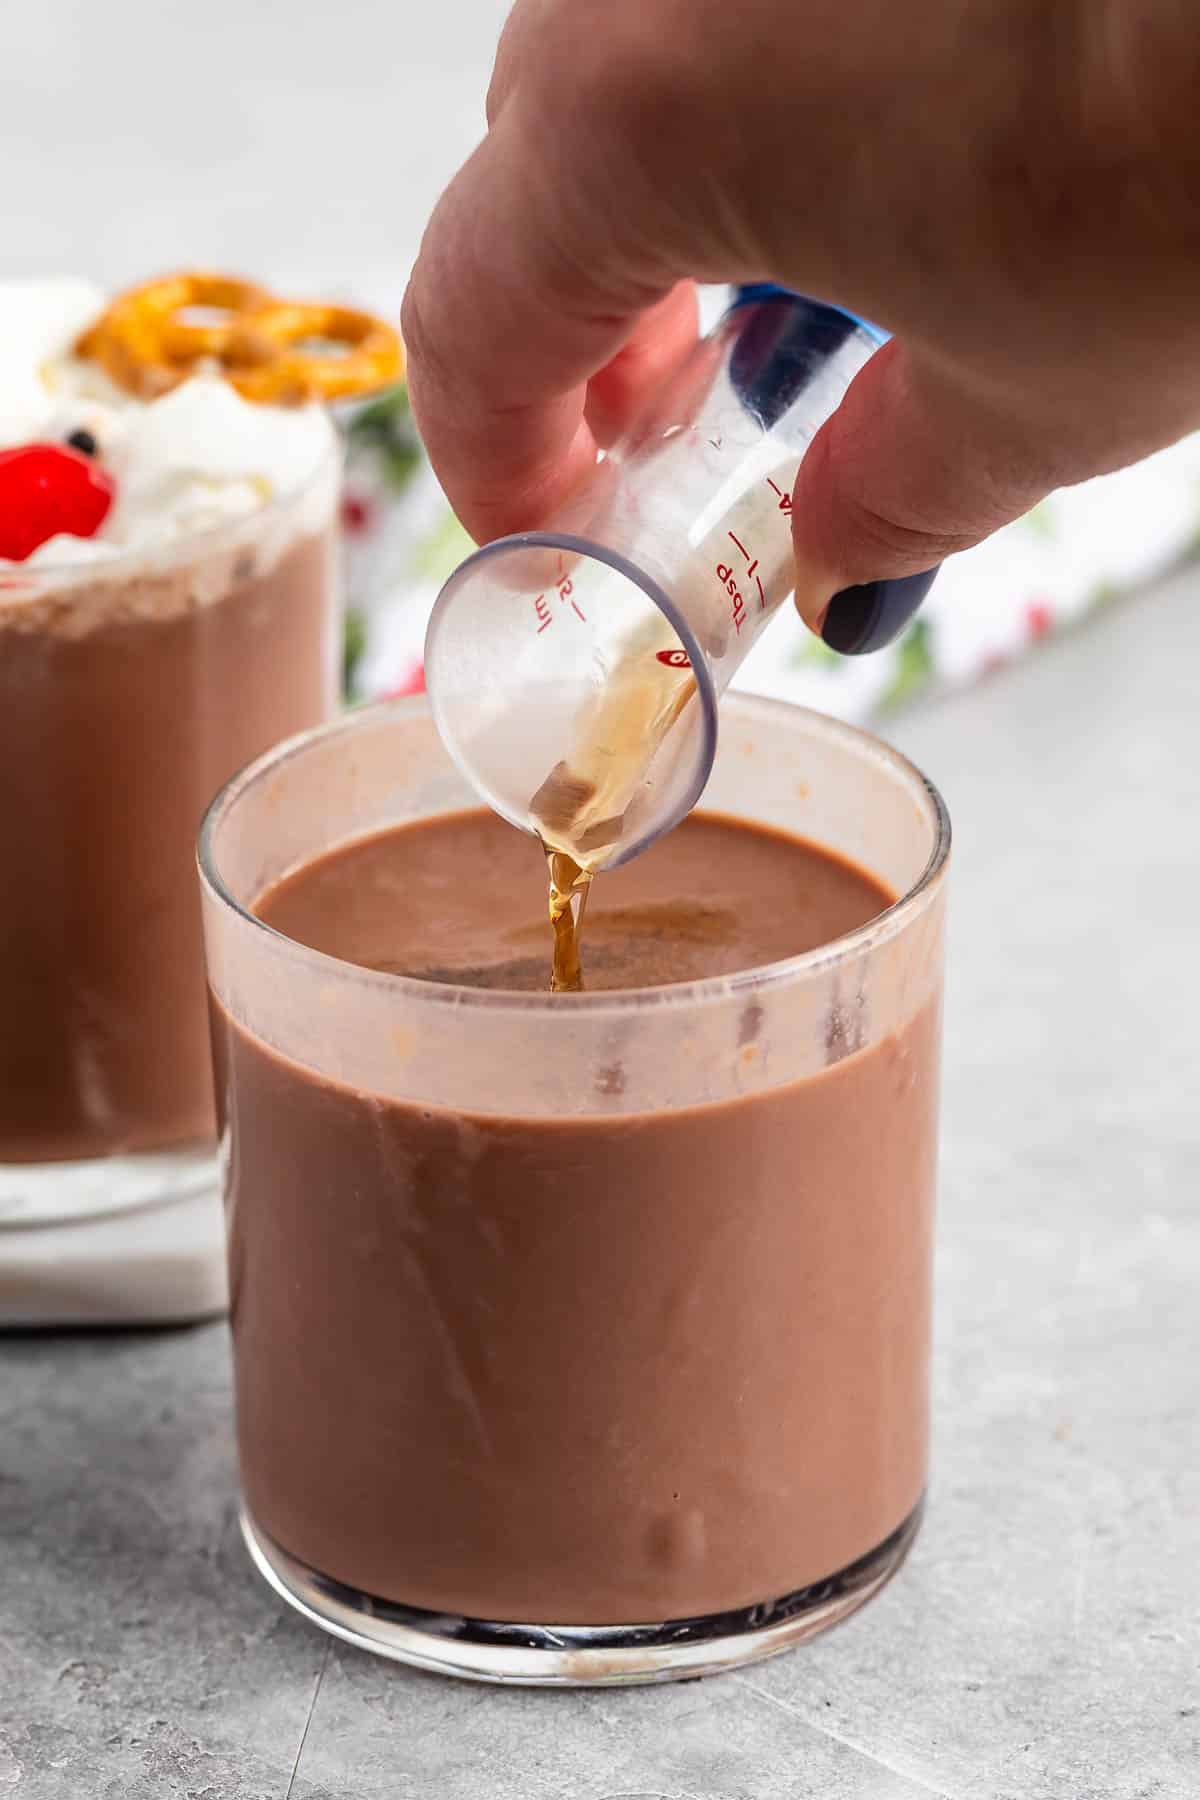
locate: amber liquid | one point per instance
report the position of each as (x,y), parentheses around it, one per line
(569,885)
(579,810)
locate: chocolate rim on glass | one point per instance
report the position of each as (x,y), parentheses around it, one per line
(739,1512)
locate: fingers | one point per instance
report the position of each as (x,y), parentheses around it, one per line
(911,468)
(519,43)
(520,295)
(659,341)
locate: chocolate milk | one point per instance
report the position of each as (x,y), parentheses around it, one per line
(586,1369)
(126,700)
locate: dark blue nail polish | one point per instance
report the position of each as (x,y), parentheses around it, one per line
(865,618)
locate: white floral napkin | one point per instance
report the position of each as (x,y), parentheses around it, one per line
(1077,551)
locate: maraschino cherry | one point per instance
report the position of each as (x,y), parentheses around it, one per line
(48,488)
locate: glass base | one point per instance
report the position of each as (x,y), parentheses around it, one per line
(578,1655)
(124,1240)
(60,1193)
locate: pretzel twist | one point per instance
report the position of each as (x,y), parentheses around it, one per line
(277,352)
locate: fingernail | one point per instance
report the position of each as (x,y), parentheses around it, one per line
(865,618)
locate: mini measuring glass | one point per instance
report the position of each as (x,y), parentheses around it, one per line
(574,672)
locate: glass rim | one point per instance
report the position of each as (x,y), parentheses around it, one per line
(585,547)
(674,996)
(154,557)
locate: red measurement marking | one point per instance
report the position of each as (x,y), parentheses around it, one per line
(737,611)
(543,613)
(674,659)
(752,569)
(566,587)
(785,500)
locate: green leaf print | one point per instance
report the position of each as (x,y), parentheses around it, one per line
(914,665)
(440,553)
(812,649)
(384,428)
(354,642)
(1042,521)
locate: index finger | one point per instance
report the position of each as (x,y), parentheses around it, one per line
(520,295)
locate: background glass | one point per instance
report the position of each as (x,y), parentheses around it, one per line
(130,690)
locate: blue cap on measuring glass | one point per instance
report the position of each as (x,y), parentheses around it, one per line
(772,290)
(774,358)
(780,349)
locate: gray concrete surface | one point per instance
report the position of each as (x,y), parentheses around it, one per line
(1043,1642)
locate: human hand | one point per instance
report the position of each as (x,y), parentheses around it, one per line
(1011,186)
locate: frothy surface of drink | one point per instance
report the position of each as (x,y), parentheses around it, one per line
(461,899)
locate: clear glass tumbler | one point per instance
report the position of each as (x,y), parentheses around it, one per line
(579,1338)
(130,689)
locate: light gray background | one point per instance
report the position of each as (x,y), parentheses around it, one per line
(300,140)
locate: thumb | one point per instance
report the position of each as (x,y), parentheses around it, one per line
(910,469)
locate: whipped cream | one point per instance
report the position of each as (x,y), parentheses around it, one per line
(197,458)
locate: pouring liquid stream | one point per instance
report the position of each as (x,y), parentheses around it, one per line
(569,886)
(579,810)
